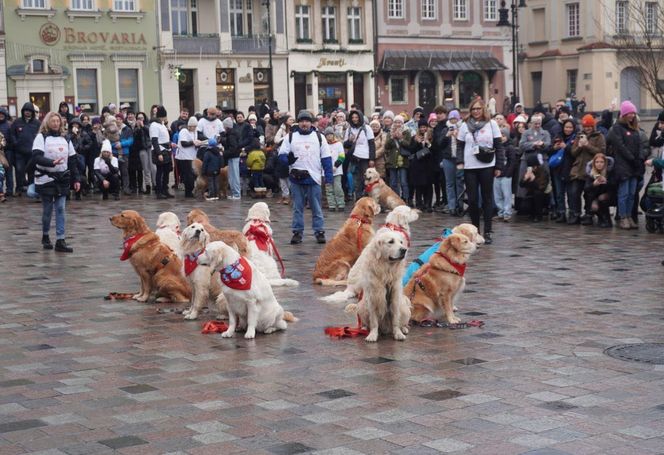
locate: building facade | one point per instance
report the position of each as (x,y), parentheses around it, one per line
(3,65)
(217,52)
(330,61)
(86,52)
(433,52)
(569,48)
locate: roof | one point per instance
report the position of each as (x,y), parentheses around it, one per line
(404,60)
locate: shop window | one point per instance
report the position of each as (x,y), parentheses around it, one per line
(86,88)
(261,85)
(34,4)
(329,17)
(302,23)
(128,87)
(124,5)
(332,91)
(398,90)
(354,25)
(226,88)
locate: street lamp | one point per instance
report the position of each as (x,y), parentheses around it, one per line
(269,41)
(503,21)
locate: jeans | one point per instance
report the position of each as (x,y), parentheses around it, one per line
(234,176)
(2,179)
(399,178)
(559,190)
(149,169)
(257,179)
(48,202)
(453,183)
(626,192)
(359,168)
(502,193)
(161,184)
(574,191)
(123,164)
(21,163)
(213,185)
(186,173)
(335,193)
(9,173)
(476,180)
(299,195)
(284,185)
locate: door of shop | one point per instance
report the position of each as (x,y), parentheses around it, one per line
(300,92)
(186,88)
(427,91)
(358,91)
(332,91)
(42,101)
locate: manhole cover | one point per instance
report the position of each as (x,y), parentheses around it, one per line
(652,353)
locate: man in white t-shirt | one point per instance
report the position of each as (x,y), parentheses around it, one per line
(185,155)
(210,125)
(307,154)
(360,144)
(161,153)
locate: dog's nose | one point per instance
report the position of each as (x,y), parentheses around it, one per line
(403,251)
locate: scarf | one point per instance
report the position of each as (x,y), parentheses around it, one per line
(237,275)
(127,244)
(475,125)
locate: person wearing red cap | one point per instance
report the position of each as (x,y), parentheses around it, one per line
(588,143)
(624,143)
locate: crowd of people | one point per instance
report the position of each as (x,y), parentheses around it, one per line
(546,163)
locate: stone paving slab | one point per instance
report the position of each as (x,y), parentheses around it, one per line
(80,375)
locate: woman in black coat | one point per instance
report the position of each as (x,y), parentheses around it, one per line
(422,167)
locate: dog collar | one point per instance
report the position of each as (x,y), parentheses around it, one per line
(360,219)
(369,187)
(237,275)
(191,261)
(460,268)
(397,228)
(127,244)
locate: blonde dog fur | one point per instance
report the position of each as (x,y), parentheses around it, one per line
(201,183)
(204,289)
(168,230)
(255,308)
(381,191)
(342,251)
(233,238)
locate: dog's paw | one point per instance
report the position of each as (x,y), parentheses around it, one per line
(187,311)
(270,330)
(137,296)
(227,334)
(372,337)
(453,320)
(398,335)
(250,334)
(405,330)
(455,308)
(143,298)
(191,315)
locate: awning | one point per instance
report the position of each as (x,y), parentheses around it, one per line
(402,60)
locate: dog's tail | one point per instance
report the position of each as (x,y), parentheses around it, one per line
(327,282)
(352,308)
(283,282)
(289,317)
(339,296)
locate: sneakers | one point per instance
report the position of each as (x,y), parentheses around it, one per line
(46,242)
(61,246)
(234,198)
(507,218)
(320,237)
(587,220)
(632,223)
(209,199)
(297,238)
(624,224)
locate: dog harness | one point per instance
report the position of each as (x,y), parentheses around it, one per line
(414,266)
(459,269)
(369,187)
(237,275)
(360,221)
(191,262)
(397,228)
(127,244)
(259,233)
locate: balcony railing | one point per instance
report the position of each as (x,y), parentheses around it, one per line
(252,44)
(200,44)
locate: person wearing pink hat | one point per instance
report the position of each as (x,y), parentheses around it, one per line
(624,142)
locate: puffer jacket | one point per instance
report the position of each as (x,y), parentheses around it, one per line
(624,144)
(583,155)
(393,157)
(22,133)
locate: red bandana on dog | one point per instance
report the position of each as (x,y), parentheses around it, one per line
(259,233)
(369,187)
(128,243)
(397,228)
(237,275)
(191,262)
(460,268)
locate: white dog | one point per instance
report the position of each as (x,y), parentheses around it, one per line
(262,249)
(383,307)
(251,303)
(204,289)
(168,230)
(398,220)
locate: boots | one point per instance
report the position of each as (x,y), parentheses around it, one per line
(61,246)
(587,220)
(573,219)
(46,242)
(147,190)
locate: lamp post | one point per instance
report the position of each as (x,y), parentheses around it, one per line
(269,46)
(503,21)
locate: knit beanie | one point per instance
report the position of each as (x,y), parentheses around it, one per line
(627,107)
(432,117)
(228,123)
(252,117)
(193,121)
(388,114)
(454,114)
(106,146)
(588,121)
(660,117)
(400,117)
(533,160)
(422,122)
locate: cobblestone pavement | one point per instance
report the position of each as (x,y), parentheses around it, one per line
(81,375)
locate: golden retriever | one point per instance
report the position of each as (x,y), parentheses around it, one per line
(434,289)
(168,230)
(342,251)
(380,191)
(201,183)
(398,220)
(233,238)
(251,303)
(383,308)
(204,289)
(262,249)
(159,269)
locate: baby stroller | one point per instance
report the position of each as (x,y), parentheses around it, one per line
(653,205)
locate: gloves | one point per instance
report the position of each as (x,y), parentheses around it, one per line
(338,163)
(291,158)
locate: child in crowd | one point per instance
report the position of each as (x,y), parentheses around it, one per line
(107,172)
(335,192)
(256,164)
(536,181)
(212,164)
(599,188)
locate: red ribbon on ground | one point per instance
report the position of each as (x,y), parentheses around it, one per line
(347,332)
(119,296)
(214,327)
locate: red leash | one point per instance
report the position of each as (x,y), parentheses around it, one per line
(119,296)
(258,233)
(347,332)
(214,327)
(360,222)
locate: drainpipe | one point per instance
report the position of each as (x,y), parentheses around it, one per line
(159,53)
(285,3)
(375,46)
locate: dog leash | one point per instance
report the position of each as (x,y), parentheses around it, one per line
(119,296)
(448,325)
(258,233)
(214,327)
(360,222)
(347,332)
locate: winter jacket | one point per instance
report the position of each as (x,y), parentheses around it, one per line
(530,136)
(379,162)
(440,143)
(656,137)
(551,125)
(583,155)
(422,168)
(367,144)
(231,142)
(126,140)
(256,160)
(508,164)
(566,166)
(88,146)
(541,182)
(212,161)
(595,190)
(270,131)
(245,135)
(624,145)
(5,124)
(22,133)
(397,151)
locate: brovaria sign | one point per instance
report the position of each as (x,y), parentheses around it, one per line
(50,34)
